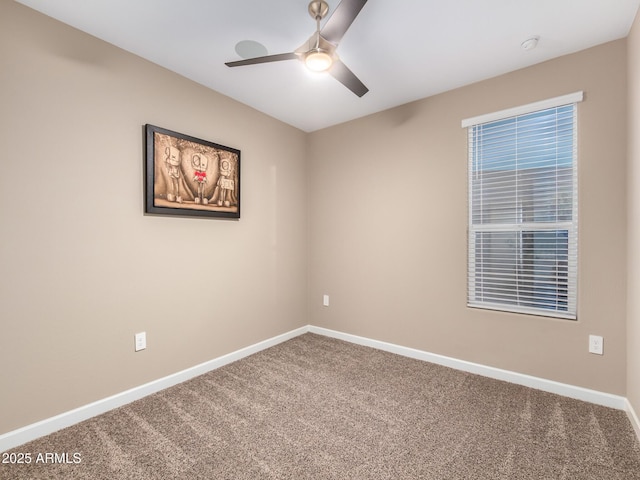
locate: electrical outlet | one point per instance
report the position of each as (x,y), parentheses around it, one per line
(325,300)
(596,344)
(141,341)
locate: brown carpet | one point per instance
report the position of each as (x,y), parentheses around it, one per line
(319,408)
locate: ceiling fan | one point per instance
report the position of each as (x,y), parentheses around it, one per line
(319,52)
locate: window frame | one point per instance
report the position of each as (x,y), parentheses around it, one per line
(518,227)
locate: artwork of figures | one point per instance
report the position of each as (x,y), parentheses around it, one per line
(189,176)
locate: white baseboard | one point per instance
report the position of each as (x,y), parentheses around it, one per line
(633,418)
(579,393)
(23,435)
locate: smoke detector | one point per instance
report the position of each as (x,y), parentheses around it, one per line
(530,43)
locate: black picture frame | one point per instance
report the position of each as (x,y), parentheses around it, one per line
(188,176)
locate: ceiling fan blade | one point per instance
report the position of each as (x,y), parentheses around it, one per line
(266,59)
(345,76)
(341,19)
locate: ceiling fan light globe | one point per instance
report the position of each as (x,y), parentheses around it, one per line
(318,60)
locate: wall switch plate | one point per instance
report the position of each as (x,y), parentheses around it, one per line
(596,344)
(141,341)
(325,300)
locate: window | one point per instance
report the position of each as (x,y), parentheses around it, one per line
(523,229)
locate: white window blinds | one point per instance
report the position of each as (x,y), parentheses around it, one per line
(523,209)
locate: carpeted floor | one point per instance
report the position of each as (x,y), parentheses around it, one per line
(319,408)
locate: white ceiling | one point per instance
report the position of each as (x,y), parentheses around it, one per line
(402,50)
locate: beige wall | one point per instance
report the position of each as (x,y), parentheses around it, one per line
(388,213)
(83,269)
(633,286)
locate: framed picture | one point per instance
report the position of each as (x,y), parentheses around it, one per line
(189,176)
